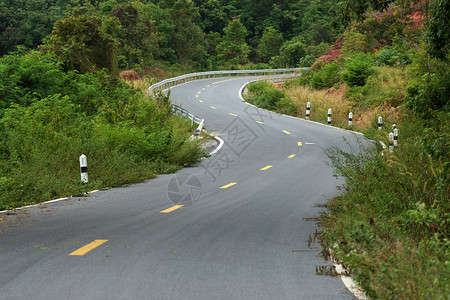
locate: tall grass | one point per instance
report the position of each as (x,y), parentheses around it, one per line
(392,226)
(321,101)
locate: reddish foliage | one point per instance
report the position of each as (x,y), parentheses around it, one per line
(129,75)
(415,20)
(334,53)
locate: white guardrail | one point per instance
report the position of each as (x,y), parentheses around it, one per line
(167,83)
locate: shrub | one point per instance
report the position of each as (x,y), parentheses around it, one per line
(265,95)
(391,56)
(357,70)
(429,92)
(326,76)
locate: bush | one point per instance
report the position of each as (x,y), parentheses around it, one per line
(265,95)
(321,75)
(391,56)
(357,70)
(429,92)
(326,76)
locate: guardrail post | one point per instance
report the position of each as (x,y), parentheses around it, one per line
(308,109)
(329,116)
(83,169)
(380,123)
(350,119)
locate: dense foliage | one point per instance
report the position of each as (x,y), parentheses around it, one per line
(142,34)
(49,117)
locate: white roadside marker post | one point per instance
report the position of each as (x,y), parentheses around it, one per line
(395,137)
(350,119)
(329,116)
(391,139)
(380,123)
(83,168)
(308,110)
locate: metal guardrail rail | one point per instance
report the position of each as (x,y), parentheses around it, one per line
(181,112)
(272,73)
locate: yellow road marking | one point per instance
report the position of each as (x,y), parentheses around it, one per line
(266,167)
(208,85)
(199,92)
(223,81)
(213,107)
(259,122)
(201,101)
(291,156)
(228,185)
(85,249)
(299,144)
(171,209)
(231,114)
(287,132)
(203,89)
(196,96)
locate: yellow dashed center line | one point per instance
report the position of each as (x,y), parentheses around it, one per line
(203,89)
(208,85)
(259,122)
(228,185)
(171,209)
(223,81)
(213,107)
(231,114)
(291,156)
(85,249)
(201,101)
(287,132)
(266,167)
(196,96)
(299,144)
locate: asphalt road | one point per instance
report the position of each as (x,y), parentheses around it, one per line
(236,226)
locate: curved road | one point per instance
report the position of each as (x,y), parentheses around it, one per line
(236,226)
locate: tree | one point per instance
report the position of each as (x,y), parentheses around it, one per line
(189,39)
(166,29)
(81,44)
(270,44)
(290,53)
(138,38)
(233,49)
(26,23)
(439,30)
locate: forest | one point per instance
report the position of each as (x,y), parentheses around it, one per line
(182,34)
(61,95)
